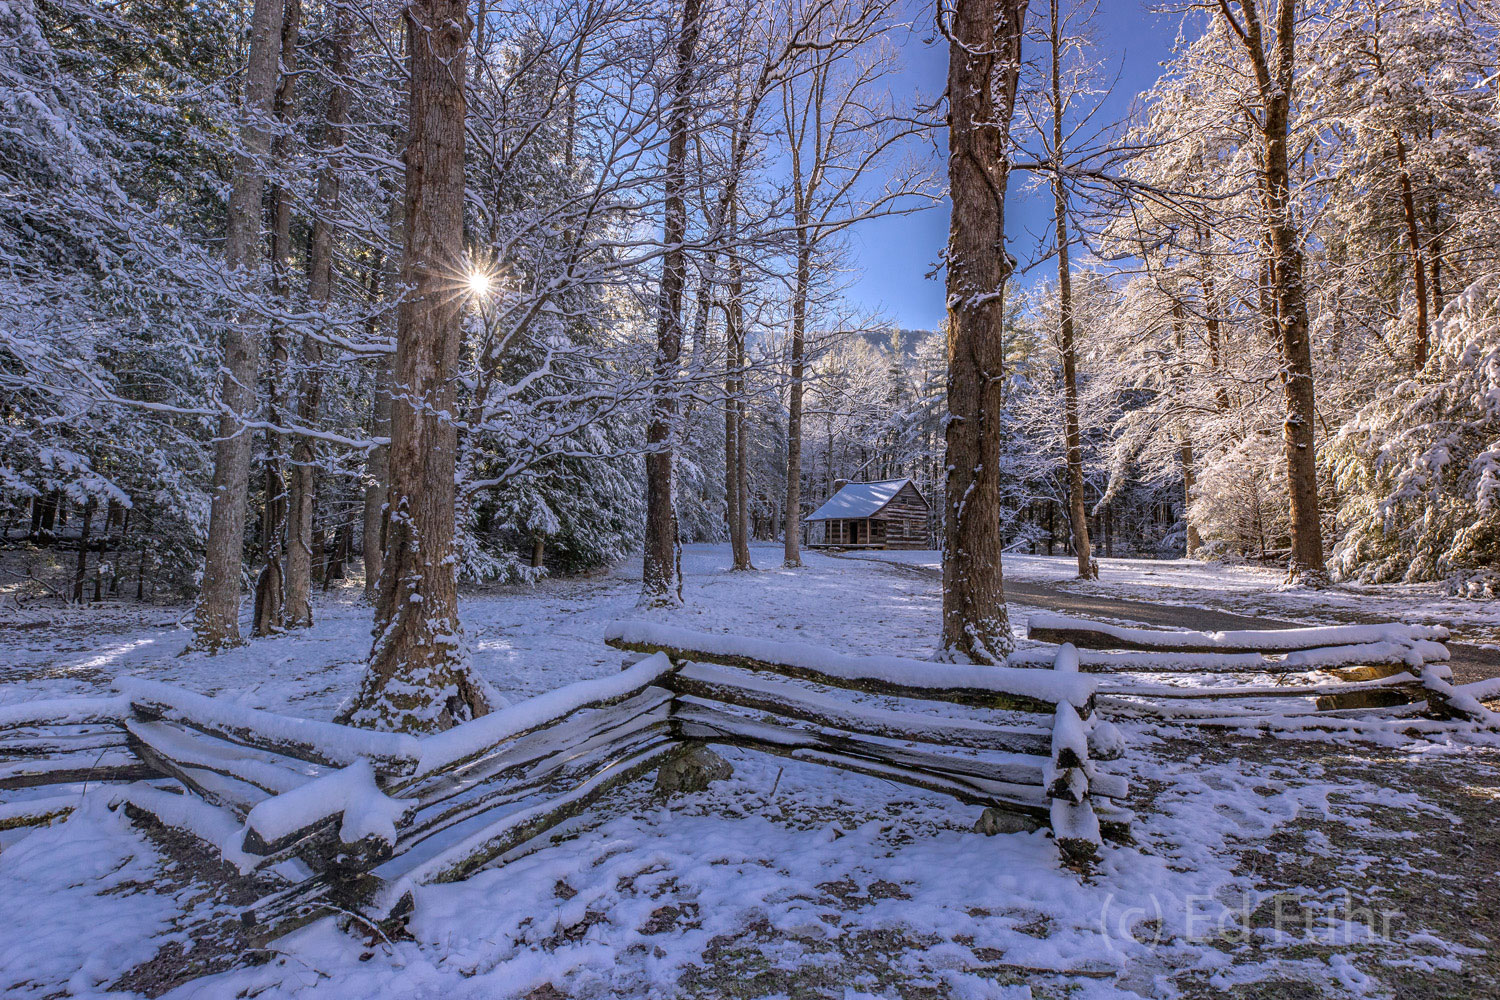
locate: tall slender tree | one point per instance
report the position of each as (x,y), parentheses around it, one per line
(661,576)
(216,619)
(840,126)
(270,585)
(1057,103)
(319,292)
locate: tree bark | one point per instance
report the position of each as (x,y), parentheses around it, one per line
(1194,541)
(377,465)
(1422,343)
(661,576)
(418,678)
(1414,249)
(731,437)
(49,514)
(216,618)
(377,480)
(319,292)
(270,586)
(1274,75)
(1077,513)
(738,478)
(1435,253)
(80,574)
(984,59)
(740,534)
(793,527)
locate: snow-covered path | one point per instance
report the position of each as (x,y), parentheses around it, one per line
(789,880)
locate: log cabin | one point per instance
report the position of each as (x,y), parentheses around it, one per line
(890,514)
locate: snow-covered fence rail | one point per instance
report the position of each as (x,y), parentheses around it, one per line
(1088,634)
(480,789)
(321,743)
(230,756)
(61,742)
(985,687)
(775,697)
(369,815)
(1341,668)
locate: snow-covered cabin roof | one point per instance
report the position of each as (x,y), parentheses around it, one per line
(858,500)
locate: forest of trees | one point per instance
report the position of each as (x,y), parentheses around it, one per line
(259,262)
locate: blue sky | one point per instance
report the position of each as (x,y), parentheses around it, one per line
(891,257)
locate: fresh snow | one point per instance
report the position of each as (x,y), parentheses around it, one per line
(342,744)
(799,869)
(1068,734)
(1243,589)
(442,749)
(858,500)
(63,711)
(1267,640)
(350,793)
(838,667)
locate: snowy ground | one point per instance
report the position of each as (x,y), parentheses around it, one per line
(1244,589)
(1259,868)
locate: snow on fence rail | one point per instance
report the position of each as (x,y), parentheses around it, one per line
(371,814)
(363,810)
(1049,627)
(987,687)
(1343,668)
(755,693)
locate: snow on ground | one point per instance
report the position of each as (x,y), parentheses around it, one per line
(789,880)
(525,641)
(1241,589)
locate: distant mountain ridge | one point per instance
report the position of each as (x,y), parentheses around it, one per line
(906,340)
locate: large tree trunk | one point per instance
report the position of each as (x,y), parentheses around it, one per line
(793,547)
(1435,252)
(731,436)
(216,622)
(661,576)
(270,586)
(1274,70)
(1291,306)
(418,678)
(1185,433)
(1077,513)
(984,57)
(735,431)
(1189,479)
(319,292)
